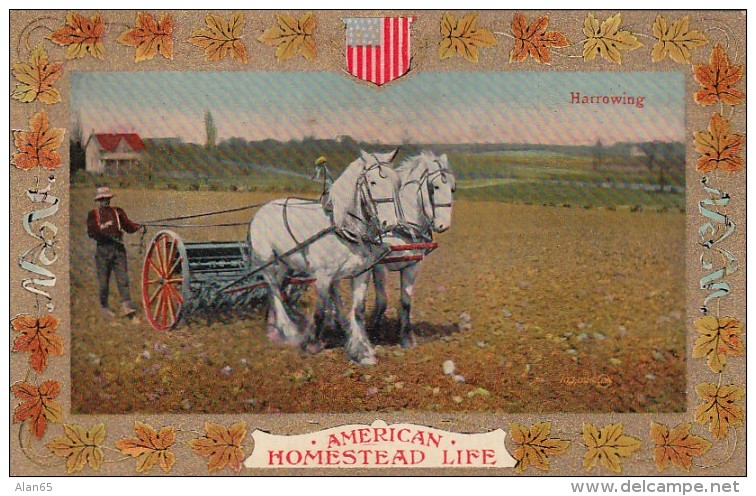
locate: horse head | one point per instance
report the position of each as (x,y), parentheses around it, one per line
(365,198)
(437,191)
(378,190)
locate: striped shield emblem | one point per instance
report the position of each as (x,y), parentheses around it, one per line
(378,48)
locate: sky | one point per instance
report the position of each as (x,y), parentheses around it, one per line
(429,107)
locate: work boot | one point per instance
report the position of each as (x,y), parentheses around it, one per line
(127,310)
(107,312)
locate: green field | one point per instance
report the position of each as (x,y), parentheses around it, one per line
(563,176)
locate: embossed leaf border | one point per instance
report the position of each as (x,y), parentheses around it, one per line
(604,37)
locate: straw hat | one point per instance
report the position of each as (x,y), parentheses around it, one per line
(103,192)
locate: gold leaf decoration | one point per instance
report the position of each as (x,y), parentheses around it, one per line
(38,147)
(463,37)
(80,447)
(81,36)
(719,148)
(221,445)
(290,36)
(678,447)
(39,338)
(719,338)
(608,446)
(534,446)
(221,38)
(36,78)
(607,40)
(718,408)
(676,41)
(534,40)
(718,80)
(150,37)
(150,447)
(37,405)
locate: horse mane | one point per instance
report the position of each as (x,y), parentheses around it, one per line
(342,194)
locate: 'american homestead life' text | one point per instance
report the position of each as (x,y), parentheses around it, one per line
(383,446)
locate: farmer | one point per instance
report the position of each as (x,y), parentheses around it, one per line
(106,225)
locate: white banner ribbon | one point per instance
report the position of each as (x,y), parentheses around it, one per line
(380,446)
(44,252)
(711,234)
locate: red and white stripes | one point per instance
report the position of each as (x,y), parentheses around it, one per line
(387,61)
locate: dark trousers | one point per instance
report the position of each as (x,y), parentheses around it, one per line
(111,257)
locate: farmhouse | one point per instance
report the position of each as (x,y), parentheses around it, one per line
(113,153)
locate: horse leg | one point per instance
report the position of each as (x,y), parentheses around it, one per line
(379,279)
(408,275)
(334,316)
(314,339)
(341,321)
(281,329)
(358,345)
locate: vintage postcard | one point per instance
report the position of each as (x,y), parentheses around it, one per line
(434,242)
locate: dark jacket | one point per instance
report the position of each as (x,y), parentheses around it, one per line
(114,232)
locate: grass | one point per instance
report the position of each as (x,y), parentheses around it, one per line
(533,178)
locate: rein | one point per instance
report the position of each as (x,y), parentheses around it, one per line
(162,222)
(278,258)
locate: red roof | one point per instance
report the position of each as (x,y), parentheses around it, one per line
(109,142)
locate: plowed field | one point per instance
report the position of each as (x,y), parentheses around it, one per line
(539,308)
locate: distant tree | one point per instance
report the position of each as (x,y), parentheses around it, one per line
(77,154)
(211,132)
(598,155)
(665,159)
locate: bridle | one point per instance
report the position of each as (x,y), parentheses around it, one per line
(426,180)
(367,204)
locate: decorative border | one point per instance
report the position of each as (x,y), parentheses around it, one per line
(706,440)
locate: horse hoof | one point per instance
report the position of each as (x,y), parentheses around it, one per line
(366,357)
(370,360)
(376,321)
(408,342)
(312,347)
(274,335)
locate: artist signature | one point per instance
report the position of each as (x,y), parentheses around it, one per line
(603,381)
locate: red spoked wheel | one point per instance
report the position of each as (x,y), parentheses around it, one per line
(165,280)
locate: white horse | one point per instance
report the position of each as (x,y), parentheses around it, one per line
(293,237)
(426,191)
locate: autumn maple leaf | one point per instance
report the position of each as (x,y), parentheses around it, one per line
(36,78)
(676,41)
(463,37)
(534,39)
(607,40)
(150,37)
(534,446)
(719,408)
(718,79)
(39,145)
(222,445)
(37,405)
(39,338)
(81,36)
(608,446)
(290,35)
(718,148)
(150,447)
(719,338)
(678,447)
(80,447)
(221,38)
